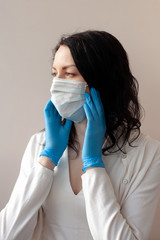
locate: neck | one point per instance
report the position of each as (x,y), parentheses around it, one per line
(80,131)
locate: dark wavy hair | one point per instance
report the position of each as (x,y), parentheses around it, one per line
(103,63)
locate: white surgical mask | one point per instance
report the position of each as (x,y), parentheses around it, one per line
(68,98)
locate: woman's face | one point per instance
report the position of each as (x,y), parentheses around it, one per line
(64,66)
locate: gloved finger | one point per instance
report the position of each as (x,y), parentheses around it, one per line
(97,102)
(47,108)
(68,124)
(50,112)
(87,111)
(100,107)
(90,104)
(48,105)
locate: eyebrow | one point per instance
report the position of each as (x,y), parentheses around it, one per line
(72,65)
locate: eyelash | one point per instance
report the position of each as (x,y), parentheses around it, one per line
(53,74)
(68,74)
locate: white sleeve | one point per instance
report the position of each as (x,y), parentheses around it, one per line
(18,219)
(134,219)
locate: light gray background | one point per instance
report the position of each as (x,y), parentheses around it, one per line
(28,32)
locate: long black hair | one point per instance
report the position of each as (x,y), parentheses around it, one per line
(103,63)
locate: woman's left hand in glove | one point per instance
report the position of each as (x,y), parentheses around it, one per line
(95,131)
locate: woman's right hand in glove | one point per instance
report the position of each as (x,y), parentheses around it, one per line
(56,134)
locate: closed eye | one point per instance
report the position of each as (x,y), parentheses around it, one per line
(53,74)
(69,74)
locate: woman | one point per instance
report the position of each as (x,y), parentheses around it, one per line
(91,174)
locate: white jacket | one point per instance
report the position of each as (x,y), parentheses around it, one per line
(115,203)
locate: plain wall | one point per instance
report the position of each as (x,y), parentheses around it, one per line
(29,31)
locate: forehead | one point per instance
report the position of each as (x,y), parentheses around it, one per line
(63,56)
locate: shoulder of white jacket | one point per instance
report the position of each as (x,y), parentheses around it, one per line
(151,140)
(151,144)
(38,137)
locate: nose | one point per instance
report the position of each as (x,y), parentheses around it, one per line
(60,74)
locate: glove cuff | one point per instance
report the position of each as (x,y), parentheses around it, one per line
(94,162)
(50,153)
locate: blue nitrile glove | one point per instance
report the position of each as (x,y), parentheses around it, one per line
(56,134)
(95,131)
